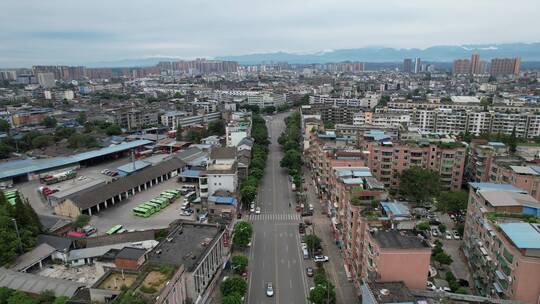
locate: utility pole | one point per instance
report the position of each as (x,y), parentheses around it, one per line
(18,235)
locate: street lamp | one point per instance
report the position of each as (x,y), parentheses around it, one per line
(18,235)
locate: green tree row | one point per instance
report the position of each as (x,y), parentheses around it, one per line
(259,154)
(290,141)
(10,296)
(27,222)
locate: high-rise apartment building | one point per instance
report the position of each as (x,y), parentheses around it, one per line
(461,67)
(505,66)
(475,64)
(46,80)
(407,65)
(417,65)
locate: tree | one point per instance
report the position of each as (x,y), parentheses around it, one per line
(19,297)
(419,185)
(329,125)
(113,129)
(323,294)
(423,226)
(443,258)
(232,299)
(234,285)
(242,234)
(269,109)
(257,173)
(248,194)
(49,122)
(81,118)
(42,141)
(239,262)
(216,128)
(442,228)
(82,220)
(5,150)
(313,242)
(291,159)
(4,126)
(452,201)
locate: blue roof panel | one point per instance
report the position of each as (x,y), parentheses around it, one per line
(494,186)
(523,235)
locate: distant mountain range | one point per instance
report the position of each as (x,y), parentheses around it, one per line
(444,53)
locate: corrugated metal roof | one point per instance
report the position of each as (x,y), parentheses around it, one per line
(36,284)
(523,235)
(523,170)
(20,167)
(190,173)
(396,209)
(223,200)
(128,168)
(494,186)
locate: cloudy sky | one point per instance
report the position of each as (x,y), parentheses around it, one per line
(82,32)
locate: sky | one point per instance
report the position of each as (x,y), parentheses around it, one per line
(85,32)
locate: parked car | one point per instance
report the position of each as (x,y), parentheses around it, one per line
(269,290)
(309,272)
(431,286)
(258,210)
(448,235)
(306,213)
(320,258)
(434,232)
(456,235)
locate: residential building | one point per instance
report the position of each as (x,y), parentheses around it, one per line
(505,66)
(221,172)
(476,65)
(264,100)
(461,67)
(134,119)
(407,65)
(392,255)
(387,159)
(46,80)
(417,65)
(198,252)
(236,131)
(502,241)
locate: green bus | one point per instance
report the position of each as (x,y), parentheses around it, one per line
(142,212)
(153,208)
(147,207)
(173,192)
(157,206)
(162,203)
(114,229)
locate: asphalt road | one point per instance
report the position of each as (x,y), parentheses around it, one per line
(275,250)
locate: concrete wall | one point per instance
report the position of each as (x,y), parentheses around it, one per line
(67,208)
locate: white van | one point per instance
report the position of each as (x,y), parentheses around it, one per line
(305,252)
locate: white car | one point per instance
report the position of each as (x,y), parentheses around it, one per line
(252,209)
(456,235)
(258,210)
(320,258)
(269,290)
(448,235)
(431,286)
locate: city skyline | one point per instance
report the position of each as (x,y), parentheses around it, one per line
(61,32)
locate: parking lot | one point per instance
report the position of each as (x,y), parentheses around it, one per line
(40,205)
(120,214)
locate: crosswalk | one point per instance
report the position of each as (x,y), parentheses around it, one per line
(275,217)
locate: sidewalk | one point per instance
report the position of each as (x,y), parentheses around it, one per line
(345,292)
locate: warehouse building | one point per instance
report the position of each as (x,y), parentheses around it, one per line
(92,200)
(30,169)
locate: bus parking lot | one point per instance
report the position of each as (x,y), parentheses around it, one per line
(121,214)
